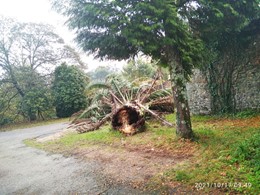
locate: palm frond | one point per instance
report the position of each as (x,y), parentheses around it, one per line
(86,112)
(97,97)
(159,94)
(119,91)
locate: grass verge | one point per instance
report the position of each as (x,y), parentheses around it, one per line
(224,158)
(31,124)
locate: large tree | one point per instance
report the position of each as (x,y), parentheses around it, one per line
(28,53)
(119,29)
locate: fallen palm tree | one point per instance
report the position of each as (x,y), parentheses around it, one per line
(125,105)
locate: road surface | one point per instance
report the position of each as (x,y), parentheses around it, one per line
(25,170)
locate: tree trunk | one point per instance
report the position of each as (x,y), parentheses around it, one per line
(178,81)
(32,115)
(15,83)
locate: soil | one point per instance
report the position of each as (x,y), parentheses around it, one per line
(136,166)
(130,165)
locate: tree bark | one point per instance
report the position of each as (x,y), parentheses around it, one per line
(178,81)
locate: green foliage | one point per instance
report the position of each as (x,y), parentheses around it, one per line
(182,176)
(37,97)
(221,20)
(249,151)
(26,52)
(8,102)
(5,121)
(68,89)
(139,68)
(121,29)
(247,155)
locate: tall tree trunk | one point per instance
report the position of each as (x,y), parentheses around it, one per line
(15,83)
(32,115)
(178,81)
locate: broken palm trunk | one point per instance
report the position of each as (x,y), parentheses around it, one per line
(128,106)
(128,120)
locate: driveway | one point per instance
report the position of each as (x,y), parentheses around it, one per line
(25,170)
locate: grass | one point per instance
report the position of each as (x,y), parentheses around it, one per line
(31,124)
(225,156)
(104,136)
(228,154)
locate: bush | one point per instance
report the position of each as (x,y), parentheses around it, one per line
(5,121)
(68,88)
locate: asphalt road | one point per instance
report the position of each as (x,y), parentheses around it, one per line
(25,170)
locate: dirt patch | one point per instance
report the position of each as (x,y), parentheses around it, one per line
(129,164)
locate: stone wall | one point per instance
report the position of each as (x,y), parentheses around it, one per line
(198,94)
(246,90)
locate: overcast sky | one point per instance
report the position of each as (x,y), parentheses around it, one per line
(40,11)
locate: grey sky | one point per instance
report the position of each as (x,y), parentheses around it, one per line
(40,11)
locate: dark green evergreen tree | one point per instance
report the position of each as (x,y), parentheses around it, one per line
(68,89)
(119,29)
(37,98)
